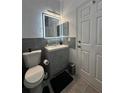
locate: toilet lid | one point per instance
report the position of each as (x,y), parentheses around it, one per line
(34,74)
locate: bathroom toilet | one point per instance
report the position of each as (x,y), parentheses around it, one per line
(35,74)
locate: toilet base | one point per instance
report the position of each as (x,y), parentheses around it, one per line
(37,89)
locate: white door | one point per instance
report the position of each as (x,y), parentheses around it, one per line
(89,42)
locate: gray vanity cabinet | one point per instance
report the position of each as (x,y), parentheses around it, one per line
(58,59)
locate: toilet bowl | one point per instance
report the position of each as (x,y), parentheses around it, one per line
(35,74)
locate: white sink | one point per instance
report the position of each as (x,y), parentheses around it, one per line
(55,47)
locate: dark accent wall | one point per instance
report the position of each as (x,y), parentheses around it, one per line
(33,43)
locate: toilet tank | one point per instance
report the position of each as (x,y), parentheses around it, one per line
(32,58)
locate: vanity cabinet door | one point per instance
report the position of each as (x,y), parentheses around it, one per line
(58,61)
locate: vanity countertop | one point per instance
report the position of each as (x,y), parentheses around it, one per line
(56,47)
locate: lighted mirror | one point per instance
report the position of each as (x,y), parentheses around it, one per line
(51,25)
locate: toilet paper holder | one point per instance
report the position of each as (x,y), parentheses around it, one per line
(46,62)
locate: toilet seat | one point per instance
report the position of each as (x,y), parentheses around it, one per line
(34,76)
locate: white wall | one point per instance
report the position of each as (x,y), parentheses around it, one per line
(31,16)
(68,10)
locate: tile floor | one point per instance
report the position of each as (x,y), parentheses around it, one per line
(78,85)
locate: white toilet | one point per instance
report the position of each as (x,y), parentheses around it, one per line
(35,74)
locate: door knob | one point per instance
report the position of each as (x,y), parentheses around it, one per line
(79,46)
(79,41)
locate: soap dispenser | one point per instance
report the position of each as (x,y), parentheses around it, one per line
(60,42)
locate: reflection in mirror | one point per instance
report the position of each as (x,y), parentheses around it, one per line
(65,28)
(51,26)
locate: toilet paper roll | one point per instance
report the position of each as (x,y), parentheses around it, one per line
(46,62)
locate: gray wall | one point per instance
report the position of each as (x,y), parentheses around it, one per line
(31,16)
(33,44)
